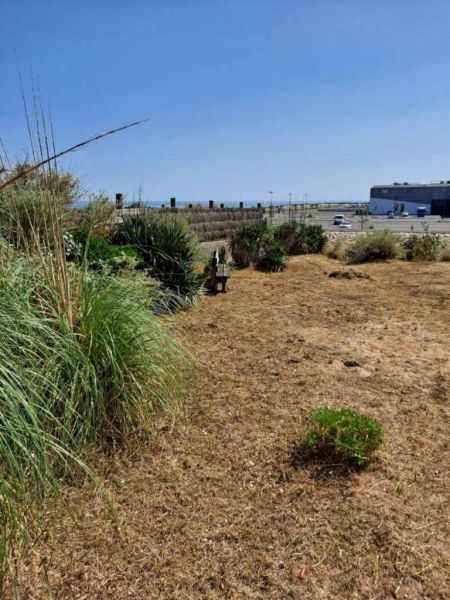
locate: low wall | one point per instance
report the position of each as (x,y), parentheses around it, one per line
(350,236)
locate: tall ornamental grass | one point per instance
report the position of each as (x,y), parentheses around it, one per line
(100,380)
(83,361)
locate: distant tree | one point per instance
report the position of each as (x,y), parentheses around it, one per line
(364,216)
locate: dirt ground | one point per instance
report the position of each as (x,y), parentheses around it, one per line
(215,510)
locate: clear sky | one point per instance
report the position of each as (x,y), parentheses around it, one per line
(317,97)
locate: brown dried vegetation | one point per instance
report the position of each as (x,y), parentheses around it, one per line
(214,509)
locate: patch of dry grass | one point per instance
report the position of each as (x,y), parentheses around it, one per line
(215,510)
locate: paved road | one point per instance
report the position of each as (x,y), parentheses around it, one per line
(400,224)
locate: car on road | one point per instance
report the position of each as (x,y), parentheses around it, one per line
(390,214)
(337,219)
(405,213)
(345,225)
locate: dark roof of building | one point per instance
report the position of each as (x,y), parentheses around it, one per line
(407,184)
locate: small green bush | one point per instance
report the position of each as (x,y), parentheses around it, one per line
(424,247)
(372,247)
(100,254)
(341,436)
(272,258)
(301,239)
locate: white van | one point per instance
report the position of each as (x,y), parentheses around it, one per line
(337,220)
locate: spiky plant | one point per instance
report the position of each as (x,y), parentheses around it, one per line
(168,248)
(272,257)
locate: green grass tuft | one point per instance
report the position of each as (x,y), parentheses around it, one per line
(341,436)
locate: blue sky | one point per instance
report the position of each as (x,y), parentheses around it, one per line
(324,97)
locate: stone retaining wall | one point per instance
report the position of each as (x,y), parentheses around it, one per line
(350,236)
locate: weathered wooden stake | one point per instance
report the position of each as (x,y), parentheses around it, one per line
(211,204)
(119,201)
(173,203)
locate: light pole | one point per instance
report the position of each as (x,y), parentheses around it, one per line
(290,206)
(271,206)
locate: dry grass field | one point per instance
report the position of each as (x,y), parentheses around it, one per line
(215,508)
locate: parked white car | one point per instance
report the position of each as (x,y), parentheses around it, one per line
(345,225)
(405,213)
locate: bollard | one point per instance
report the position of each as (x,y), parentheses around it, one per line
(119,201)
(173,203)
(211,204)
(241,205)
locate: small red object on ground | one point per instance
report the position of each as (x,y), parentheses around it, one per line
(301,574)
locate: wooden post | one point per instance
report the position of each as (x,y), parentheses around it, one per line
(173,203)
(259,205)
(119,201)
(222,206)
(241,205)
(190,206)
(211,204)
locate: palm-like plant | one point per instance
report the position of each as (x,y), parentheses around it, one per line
(168,248)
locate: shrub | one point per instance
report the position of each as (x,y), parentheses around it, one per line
(246,241)
(313,238)
(444,254)
(30,206)
(272,258)
(287,234)
(98,253)
(94,218)
(242,246)
(372,247)
(341,436)
(335,249)
(168,248)
(422,247)
(301,239)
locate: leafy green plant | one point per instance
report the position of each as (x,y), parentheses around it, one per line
(287,234)
(168,248)
(98,253)
(341,436)
(423,247)
(246,241)
(272,258)
(298,238)
(372,247)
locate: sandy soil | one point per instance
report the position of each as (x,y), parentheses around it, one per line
(215,510)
